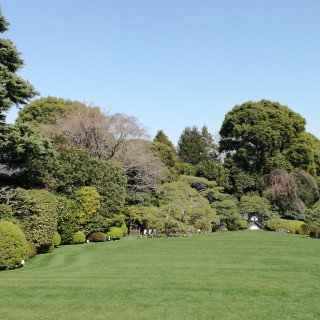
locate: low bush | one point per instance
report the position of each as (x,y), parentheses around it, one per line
(32,249)
(79,237)
(293,226)
(115,233)
(13,246)
(97,237)
(56,241)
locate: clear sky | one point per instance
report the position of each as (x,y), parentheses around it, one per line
(171,63)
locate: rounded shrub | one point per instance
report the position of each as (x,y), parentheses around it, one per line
(13,246)
(115,233)
(56,239)
(32,249)
(79,237)
(97,237)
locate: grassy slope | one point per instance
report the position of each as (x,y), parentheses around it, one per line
(234,275)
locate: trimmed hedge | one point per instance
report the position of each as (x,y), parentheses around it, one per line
(36,211)
(293,226)
(97,237)
(13,246)
(41,221)
(79,237)
(115,233)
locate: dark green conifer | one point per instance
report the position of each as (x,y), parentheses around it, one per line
(13,89)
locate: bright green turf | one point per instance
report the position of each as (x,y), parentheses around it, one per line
(232,275)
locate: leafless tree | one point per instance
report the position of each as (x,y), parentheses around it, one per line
(283,188)
(118,137)
(89,128)
(144,168)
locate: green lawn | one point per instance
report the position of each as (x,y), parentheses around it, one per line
(232,275)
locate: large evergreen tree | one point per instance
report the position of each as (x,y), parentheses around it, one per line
(191,146)
(255,132)
(13,89)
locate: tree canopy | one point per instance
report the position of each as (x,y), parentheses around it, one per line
(255,131)
(13,89)
(46,110)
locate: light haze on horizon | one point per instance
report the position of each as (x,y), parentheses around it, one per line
(172,63)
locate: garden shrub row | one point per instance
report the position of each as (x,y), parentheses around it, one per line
(293,226)
(36,221)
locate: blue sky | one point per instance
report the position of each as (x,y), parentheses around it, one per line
(171,63)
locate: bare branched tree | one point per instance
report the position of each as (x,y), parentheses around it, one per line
(284,190)
(103,134)
(143,166)
(118,137)
(124,128)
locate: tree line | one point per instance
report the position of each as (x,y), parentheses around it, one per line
(82,174)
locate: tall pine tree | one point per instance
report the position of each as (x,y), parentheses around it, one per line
(13,89)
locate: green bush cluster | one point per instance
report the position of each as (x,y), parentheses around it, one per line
(114,233)
(13,248)
(293,226)
(36,213)
(79,237)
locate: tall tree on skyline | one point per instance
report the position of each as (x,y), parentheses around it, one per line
(13,89)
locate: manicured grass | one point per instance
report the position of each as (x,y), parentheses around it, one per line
(232,275)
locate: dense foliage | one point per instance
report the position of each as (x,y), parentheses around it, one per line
(45,110)
(114,233)
(79,237)
(82,173)
(13,89)
(255,131)
(41,221)
(13,246)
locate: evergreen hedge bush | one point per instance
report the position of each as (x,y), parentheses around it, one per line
(115,233)
(13,246)
(41,221)
(79,237)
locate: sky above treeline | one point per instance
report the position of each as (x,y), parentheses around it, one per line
(171,63)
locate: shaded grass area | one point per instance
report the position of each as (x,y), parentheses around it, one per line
(233,275)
